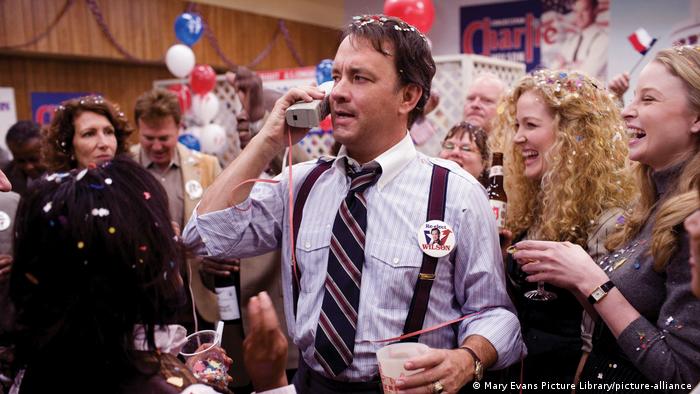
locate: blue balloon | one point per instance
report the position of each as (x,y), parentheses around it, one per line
(189,28)
(190,141)
(323,71)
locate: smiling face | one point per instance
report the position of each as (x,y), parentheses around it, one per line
(535,133)
(94,140)
(464,152)
(369,109)
(159,139)
(659,119)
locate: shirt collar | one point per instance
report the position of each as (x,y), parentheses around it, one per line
(392,160)
(148,163)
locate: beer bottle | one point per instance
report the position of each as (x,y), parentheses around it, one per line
(496,192)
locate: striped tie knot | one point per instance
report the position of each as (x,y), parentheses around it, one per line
(363,179)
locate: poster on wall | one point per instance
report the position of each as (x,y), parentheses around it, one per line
(557,34)
(44,104)
(8,113)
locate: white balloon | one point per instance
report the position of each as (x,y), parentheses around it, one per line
(205,107)
(213,138)
(180,60)
(195,131)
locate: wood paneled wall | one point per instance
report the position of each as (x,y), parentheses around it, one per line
(145,29)
(120,82)
(77,56)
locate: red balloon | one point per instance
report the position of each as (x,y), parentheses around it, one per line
(184,96)
(202,79)
(419,13)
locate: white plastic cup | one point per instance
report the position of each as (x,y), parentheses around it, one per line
(391,360)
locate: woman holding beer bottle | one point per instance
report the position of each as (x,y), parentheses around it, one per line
(642,289)
(566,181)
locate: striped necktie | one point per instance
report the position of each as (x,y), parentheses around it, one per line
(335,335)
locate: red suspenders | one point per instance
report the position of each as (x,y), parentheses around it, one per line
(436,211)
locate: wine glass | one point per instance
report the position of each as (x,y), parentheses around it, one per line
(540,294)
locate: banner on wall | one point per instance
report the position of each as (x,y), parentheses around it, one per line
(556,34)
(44,104)
(8,113)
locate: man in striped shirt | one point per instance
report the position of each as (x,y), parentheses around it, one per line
(382,72)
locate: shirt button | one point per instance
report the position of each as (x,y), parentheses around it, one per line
(396,260)
(307,245)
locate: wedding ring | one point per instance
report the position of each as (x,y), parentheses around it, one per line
(438,387)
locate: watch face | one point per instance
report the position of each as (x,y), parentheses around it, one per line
(598,294)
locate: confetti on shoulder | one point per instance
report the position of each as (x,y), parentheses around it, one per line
(48,206)
(81,174)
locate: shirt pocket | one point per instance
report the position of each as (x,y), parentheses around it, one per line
(312,248)
(397,266)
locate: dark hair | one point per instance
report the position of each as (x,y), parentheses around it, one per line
(480,138)
(95,254)
(157,104)
(412,58)
(58,144)
(435,229)
(19,133)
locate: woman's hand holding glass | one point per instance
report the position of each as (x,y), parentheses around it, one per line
(561,264)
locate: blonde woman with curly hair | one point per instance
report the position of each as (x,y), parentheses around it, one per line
(642,289)
(566,181)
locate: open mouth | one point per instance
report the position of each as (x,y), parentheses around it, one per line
(343,114)
(530,155)
(634,132)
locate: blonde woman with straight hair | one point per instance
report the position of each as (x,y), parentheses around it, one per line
(566,180)
(642,289)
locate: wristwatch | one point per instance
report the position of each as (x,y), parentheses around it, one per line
(478,367)
(600,292)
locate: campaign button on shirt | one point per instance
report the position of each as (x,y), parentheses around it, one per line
(194,189)
(436,238)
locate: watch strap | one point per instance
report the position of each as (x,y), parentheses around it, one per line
(478,366)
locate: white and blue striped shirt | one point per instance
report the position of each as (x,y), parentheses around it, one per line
(468,280)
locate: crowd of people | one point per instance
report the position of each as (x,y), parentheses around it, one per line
(109,252)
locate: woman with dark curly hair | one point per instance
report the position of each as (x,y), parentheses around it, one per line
(84,131)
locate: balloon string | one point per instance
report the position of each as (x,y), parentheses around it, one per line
(429,329)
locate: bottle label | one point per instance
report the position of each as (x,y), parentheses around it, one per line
(499,210)
(228,303)
(495,171)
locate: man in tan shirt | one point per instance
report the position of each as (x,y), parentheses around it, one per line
(184,174)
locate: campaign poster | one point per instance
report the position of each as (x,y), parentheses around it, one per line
(506,31)
(8,113)
(44,104)
(557,34)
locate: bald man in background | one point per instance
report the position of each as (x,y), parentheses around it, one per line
(482,100)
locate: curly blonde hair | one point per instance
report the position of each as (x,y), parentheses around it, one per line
(681,198)
(585,172)
(57,145)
